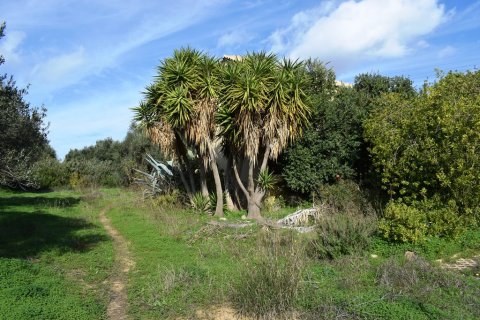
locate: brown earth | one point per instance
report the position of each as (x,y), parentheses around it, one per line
(118,305)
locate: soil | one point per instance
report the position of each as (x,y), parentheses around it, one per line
(118,305)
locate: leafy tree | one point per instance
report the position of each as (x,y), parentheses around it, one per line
(333,146)
(109,162)
(328,147)
(426,146)
(23,134)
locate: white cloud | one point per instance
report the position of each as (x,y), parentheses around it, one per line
(97,116)
(356,30)
(63,69)
(234,38)
(84,39)
(422,44)
(10,44)
(447,52)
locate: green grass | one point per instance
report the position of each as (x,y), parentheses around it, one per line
(184,264)
(181,262)
(54,257)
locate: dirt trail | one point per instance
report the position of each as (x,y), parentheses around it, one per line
(118,305)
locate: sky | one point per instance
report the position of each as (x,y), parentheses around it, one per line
(88,61)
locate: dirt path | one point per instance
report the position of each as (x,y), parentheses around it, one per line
(118,305)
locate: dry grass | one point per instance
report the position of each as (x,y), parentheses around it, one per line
(271,276)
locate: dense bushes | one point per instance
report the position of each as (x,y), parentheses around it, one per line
(426,150)
(329,147)
(108,163)
(334,145)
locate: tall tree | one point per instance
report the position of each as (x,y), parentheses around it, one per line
(179,114)
(262,109)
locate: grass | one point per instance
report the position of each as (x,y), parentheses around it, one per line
(184,264)
(55,257)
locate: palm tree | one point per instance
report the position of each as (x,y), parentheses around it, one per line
(179,114)
(262,110)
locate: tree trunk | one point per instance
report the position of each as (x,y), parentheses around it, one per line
(184,181)
(228,185)
(253,195)
(254,201)
(218,182)
(203,178)
(190,176)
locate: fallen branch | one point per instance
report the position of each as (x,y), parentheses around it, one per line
(300,217)
(229,225)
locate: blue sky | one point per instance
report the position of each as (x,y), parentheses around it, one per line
(87,61)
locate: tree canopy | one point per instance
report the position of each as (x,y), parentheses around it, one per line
(23,134)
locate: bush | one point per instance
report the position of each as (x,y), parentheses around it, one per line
(345,196)
(171,199)
(342,234)
(413,222)
(200,203)
(270,281)
(403,223)
(49,173)
(426,147)
(347,220)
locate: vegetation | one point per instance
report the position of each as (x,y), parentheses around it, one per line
(392,174)
(184,266)
(54,257)
(257,103)
(425,149)
(23,137)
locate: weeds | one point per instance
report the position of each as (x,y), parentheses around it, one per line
(270,280)
(200,204)
(342,234)
(419,281)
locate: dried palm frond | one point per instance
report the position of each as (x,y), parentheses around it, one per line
(162,134)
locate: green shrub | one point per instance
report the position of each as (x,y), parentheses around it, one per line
(345,196)
(49,172)
(426,147)
(200,204)
(167,200)
(403,223)
(414,221)
(270,279)
(341,234)
(346,223)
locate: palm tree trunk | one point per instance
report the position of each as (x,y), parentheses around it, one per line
(218,182)
(228,185)
(190,176)
(253,199)
(203,178)
(185,183)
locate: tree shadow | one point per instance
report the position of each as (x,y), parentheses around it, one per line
(26,234)
(60,202)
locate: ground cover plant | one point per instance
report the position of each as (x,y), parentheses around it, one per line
(54,257)
(185,265)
